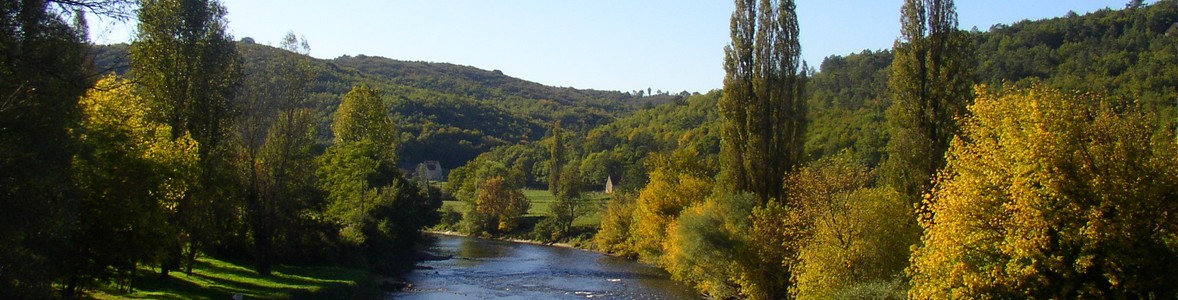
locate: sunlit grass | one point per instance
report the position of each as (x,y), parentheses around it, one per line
(216,279)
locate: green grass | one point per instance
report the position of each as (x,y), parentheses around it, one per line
(216,279)
(541,203)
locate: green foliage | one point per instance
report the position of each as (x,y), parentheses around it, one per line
(445,108)
(42,76)
(847,101)
(130,175)
(929,88)
(450,217)
(570,201)
(1052,195)
(492,194)
(764,115)
(276,134)
(362,116)
(556,159)
(620,149)
(188,68)
(374,206)
(704,246)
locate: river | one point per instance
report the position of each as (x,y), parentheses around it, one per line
(488,269)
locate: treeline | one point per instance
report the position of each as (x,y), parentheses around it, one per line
(199,149)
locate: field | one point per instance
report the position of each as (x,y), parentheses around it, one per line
(216,279)
(542,199)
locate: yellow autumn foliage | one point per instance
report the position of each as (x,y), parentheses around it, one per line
(501,203)
(845,234)
(114,118)
(676,182)
(1049,194)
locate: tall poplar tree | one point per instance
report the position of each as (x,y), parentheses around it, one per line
(930,87)
(762,107)
(556,159)
(189,67)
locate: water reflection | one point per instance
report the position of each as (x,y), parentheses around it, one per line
(483,269)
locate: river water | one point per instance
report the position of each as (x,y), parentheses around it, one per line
(487,269)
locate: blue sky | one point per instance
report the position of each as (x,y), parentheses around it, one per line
(609,44)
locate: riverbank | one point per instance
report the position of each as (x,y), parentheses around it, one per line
(217,279)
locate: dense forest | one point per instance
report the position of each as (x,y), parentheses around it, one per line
(1030,160)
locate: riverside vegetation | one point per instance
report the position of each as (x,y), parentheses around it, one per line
(1031,160)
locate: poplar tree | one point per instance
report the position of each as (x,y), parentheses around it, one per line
(556,159)
(188,67)
(762,106)
(930,87)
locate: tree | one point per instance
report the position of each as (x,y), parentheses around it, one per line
(500,204)
(556,158)
(276,133)
(288,183)
(569,203)
(188,67)
(489,189)
(375,207)
(1048,194)
(42,76)
(853,239)
(616,221)
(705,244)
(129,174)
(762,108)
(930,86)
(677,181)
(360,161)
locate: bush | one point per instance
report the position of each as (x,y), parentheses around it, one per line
(614,236)
(704,245)
(451,219)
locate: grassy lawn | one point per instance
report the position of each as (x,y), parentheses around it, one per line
(217,279)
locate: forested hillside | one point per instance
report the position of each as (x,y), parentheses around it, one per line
(445,112)
(1127,54)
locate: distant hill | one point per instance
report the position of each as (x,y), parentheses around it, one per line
(445,112)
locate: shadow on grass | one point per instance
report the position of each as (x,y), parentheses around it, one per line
(216,279)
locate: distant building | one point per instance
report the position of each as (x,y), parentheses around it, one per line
(433,170)
(609,184)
